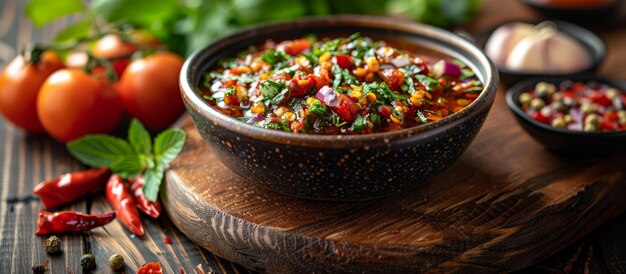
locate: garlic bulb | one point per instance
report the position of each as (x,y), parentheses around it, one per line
(540,49)
(504,38)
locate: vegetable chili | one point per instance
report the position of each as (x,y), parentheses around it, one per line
(347,85)
(69,187)
(70,221)
(119,196)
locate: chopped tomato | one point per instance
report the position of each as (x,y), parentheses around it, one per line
(394,78)
(344,61)
(301,85)
(150,268)
(296,47)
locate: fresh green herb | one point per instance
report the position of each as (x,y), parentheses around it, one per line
(429,82)
(273,57)
(375,118)
(208,97)
(230,91)
(281,126)
(133,157)
(269,88)
(318,109)
(359,123)
(311,57)
(343,74)
(466,73)
(336,120)
(383,92)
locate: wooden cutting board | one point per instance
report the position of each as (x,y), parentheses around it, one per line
(506,204)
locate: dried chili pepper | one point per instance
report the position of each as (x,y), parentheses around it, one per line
(70,221)
(121,199)
(70,186)
(152,209)
(150,268)
(41,268)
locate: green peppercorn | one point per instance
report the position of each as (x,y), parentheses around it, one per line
(525,98)
(589,108)
(88,262)
(558,106)
(568,118)
(590,128)
(52,245)
(593,119)
(116,262)
(543,89)
(612,93)
(537,103)
(559,122)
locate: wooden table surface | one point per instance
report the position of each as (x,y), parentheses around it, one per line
(26,160)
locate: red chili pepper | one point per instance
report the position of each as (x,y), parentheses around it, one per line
(152,209)
(70,221)
(167,240)
(121,199)
(150,268)
(69,187)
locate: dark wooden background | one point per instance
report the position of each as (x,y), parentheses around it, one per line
(26,160)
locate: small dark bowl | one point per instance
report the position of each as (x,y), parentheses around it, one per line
(563,141)
(337,167)
(577,14)
(594,45)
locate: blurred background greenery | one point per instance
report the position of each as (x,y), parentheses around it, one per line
(184,25)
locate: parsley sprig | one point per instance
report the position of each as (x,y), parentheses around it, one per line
(133,157)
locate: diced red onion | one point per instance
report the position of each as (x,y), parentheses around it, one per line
(327,95)
(256,118)
(444,67)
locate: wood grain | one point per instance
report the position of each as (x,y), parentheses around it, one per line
(26,160)
(506,204)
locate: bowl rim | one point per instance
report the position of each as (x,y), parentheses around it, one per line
(514,91)
(598,56)
(484,100)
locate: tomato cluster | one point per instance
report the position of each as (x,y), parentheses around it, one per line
(67,102)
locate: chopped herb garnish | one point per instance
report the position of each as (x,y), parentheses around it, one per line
(272,57)
(318,109)
(359,123)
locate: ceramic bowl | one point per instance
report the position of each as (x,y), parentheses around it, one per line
(585,14)
(335,167)
(591,42)
(563,141)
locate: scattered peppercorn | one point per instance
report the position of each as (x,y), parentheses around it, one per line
(88,262)
(53,245)
(116,262)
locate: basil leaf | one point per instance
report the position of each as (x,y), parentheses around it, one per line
(152,182)
(75,31)
(42,12)
(143,12)
(139,137)
(99,150)
(167,145)
(128,166)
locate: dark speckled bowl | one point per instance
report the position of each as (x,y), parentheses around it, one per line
(335,167)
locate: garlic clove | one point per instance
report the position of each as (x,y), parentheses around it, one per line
(504,39)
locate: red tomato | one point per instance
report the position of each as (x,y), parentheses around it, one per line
(19,86)
(296,47)
(394,78)
(150,91)
(300,85)
(150,268)
(72,103)
(344,61)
